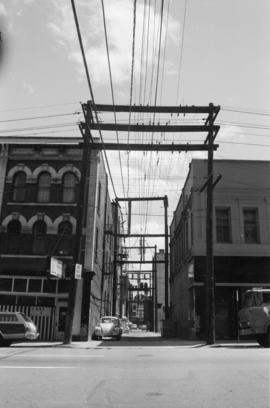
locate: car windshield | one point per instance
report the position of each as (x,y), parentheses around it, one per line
(256,298)
(108,320)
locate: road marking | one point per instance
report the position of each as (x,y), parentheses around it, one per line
(51,355)
(38,367)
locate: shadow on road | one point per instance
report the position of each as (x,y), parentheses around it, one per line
(144,339)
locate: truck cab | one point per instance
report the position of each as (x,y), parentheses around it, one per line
(254,317)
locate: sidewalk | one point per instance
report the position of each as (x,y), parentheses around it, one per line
(139,342)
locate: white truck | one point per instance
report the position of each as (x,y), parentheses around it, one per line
(254,317)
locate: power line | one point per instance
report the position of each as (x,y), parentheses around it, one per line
(112,92)
(248,125)
(38,127)
(243,110)
(181,53)
(39,107)
(89,85)
(40,117)
(131,80)
(155,98)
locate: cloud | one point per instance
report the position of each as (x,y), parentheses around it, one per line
(119,23)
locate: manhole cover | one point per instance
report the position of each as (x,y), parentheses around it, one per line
(154,394)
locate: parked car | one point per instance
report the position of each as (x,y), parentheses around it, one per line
(143,327)
(254,317)
(109,326)
(16,327)
(133,326)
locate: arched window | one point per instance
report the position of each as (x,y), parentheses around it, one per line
(69,188)
(19,186)
(44,185)
(64,246)
(14,237)
(39,237)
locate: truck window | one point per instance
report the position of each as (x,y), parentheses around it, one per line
(248,300)
(266,297)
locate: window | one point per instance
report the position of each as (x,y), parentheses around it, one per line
(251,225)
(223,225)
(14,237)
(26,301)
(69,188)
(34,285)
(64,238)
(63,286)
(8,317)
(45,301)
(44,185)
(19,186)
(5,284)
(39,238)
(49,286)
(19,285)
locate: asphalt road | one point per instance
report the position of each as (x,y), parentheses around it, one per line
(141,372)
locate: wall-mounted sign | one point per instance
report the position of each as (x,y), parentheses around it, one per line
(56,267)
(78,271)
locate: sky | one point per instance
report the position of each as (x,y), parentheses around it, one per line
(211,51)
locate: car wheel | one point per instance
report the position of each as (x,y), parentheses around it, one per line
(4,343)
(262,340)
(267,338)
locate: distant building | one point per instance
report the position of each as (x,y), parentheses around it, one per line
(241,237)
(39,190)
(159,291)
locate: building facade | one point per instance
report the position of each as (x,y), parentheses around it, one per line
(159,291)
(39,187)
(241,236)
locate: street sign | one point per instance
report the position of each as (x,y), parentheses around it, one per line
(56,267)
(78,271)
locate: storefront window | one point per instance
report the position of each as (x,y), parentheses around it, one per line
(19,285)
(49,286)
(34,285)
(5,284)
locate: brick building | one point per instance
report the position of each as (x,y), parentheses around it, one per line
(39,189)
(241,236)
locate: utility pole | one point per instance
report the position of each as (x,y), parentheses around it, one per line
(166,256)
(115,263)
(78,240)
(155,291)
(210,278)
(81,208)
(208,145)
